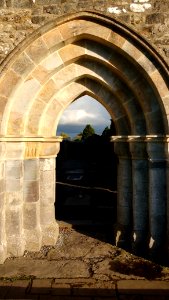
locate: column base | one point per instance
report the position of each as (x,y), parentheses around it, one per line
(123,237)
(3,253)
(158,251)
(33,239)
(140,243)
(50,234)
(15,245)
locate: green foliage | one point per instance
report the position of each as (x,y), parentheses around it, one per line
(106,131)
(65,135)
(87,131)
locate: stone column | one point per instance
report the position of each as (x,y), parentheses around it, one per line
(49,226)
(14,198)
(124,195)
(140,195)
(50,229)
(167,170)
(3,245)
(157,195)
(31,206)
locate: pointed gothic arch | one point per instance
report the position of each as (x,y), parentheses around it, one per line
(83,53)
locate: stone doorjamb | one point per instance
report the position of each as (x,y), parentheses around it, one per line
(27,181)
(146,176)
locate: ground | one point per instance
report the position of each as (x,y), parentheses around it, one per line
(77,255)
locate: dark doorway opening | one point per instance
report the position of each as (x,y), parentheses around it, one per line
(86,186)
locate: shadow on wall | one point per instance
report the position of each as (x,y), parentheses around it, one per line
(87,186)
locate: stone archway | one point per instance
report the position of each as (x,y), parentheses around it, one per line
(84,53)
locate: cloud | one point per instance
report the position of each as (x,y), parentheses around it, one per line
(83,111)
(76,116)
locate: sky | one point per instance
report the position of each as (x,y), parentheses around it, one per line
(83,111)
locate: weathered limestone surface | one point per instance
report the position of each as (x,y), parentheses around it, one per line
(82,53)
(20,18)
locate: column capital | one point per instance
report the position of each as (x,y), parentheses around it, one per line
(21,147)
(122,149)
(140,138)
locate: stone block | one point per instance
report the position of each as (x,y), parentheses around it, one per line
(47,214)
(47,2)
(48,90)
(47,177)
(40,19)
(47,164)
(155,18)
(14,198)
(2,200)
(15,245)
(31,215)
(146,64)
(25,93)
(41,74)
(47,194)
(52,62)
(4,287)
(41,286)
(53,39)
(13,185)
(50,234)
(3,101)
(33,239)
(143,287)
(14,220)
(37,51)
(3,256)
(61,289)
(52,9)
(19,4)
(116,39)
(161,6)
(2,3)
(97,289)
(31,187)
(14,169)
(159,83)
(132,50)
(18,289)
(2,227)
(71,52)
(166,103)
(2,185)
(9,83)
(31,169)
(14,150)
(23,65)
(2,169)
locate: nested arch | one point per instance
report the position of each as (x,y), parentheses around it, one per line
(91,53)
(75,55)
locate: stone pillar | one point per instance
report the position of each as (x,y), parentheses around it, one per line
(14,198)
(3,248)
(157,195)
(167,170)
(31,206)
(50,228)
(14,207)
(140,196)
(124,195)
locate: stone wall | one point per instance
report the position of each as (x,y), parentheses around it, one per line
(20,18)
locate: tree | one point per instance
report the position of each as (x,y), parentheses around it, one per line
(106,132)
(87,131)
(65,135)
